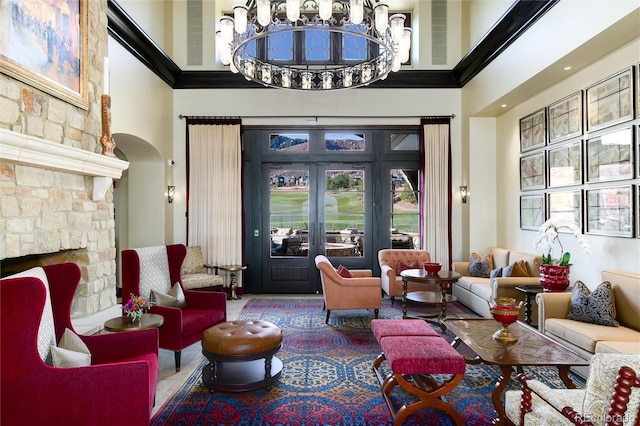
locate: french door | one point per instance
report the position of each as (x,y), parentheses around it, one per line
(310,209)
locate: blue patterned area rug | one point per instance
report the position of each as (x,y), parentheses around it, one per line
(327,378)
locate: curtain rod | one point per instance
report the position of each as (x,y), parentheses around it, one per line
(313,116)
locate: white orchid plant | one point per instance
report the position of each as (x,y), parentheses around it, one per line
(548,235)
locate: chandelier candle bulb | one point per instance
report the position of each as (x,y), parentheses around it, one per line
(263,12)
(381,11)
(324,9)
(397,27)
(227,27)
(356,11)
(240,18)
(293,10)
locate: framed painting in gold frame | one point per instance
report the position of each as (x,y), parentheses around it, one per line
(48,50)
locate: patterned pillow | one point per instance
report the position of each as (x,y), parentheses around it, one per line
(193,262)
(154,270)
(495,273)
(480,266)
(403,266)
(46,331)
(506,271)
(344,272)
(71,351)
(595,307)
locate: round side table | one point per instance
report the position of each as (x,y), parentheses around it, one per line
(232,269)
(125,324)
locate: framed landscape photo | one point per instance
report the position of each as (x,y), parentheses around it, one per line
(533,131)
(532,209)
(610,156)
(610,211)
(610,101)
(55,36)
(532,172)
(565,118)
(565,165)
(566,206)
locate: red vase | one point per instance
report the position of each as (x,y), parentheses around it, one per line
(554,278)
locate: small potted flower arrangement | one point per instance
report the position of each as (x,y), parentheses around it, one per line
(554,272)
(135,307)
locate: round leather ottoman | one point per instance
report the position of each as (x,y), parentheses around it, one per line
(241,355)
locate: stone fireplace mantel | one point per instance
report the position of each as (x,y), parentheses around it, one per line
(39,152)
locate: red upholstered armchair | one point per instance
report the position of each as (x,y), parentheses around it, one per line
(123,365)
(158,268)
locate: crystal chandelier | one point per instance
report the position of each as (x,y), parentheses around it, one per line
(313,44)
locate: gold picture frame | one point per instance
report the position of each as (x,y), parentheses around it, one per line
(48,51)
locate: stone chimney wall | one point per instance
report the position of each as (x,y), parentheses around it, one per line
(47,210)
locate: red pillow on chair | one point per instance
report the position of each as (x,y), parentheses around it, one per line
(344,272)
(403,266)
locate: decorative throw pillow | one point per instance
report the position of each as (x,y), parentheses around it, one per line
(344,272)
(506,271)
(175,297)
(496,273)
(480,266)
(403,266)
(596,307)
(70,352)
(520,269)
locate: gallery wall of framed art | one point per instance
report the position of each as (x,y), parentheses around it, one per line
(580,159)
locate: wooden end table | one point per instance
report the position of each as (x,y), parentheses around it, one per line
(529,291)
(125,324)
(531,349)
(443,278)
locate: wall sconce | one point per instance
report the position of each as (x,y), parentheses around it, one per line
(170,191)
(464,193)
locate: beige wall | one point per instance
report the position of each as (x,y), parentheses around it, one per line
(607,252)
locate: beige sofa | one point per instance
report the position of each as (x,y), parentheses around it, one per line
(475,292)
(585,338)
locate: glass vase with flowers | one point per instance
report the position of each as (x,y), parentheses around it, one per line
(136,307)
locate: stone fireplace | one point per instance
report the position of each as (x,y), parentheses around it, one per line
(57,205)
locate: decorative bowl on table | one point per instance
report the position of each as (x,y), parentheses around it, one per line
(432,268)
(505,311)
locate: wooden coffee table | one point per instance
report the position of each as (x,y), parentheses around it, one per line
(532,349)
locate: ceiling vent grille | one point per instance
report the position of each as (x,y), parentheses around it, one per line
(439,32)
(194,32)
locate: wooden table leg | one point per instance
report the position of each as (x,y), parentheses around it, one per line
(404,298)
(563,372)
(496,395)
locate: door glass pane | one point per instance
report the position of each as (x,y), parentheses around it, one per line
(289,212)
(289,142)
(344,142)
(404,142)
(344,213)
(405,215)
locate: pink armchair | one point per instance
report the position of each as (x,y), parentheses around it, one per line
(390,278)
(360,292)
(159,268)
(123,365)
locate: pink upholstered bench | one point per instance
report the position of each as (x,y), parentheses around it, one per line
(413,361)
(401,327)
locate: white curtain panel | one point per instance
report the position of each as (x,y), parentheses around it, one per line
(435,199)
(215,193)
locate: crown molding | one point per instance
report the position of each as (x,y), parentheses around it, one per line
(520,16)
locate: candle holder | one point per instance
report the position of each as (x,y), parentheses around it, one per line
(107,141)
